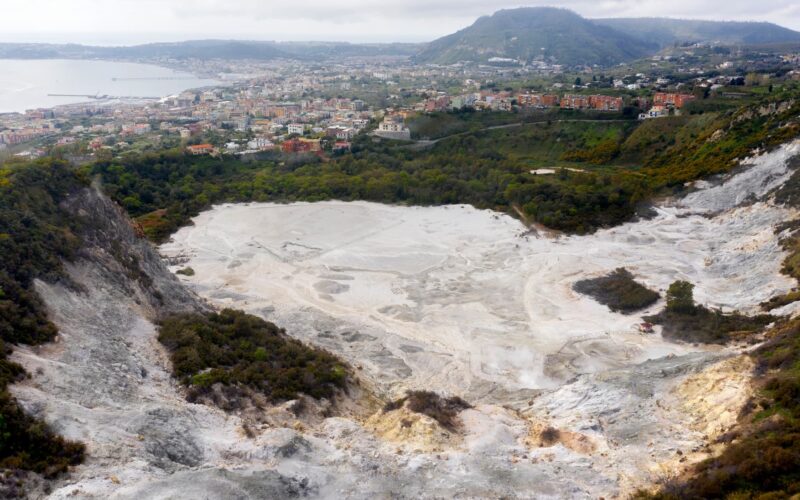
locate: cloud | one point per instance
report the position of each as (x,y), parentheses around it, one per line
(357,20)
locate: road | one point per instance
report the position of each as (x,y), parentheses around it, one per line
(425,143)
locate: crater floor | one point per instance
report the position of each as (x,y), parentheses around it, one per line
(469,301)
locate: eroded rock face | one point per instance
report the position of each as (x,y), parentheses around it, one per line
(449,313)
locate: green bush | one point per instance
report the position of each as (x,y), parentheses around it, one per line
(618,290)
(680,297)
(186,271)
(243,351)
(684,320)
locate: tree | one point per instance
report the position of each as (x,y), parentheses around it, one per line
(578,81)
(680,297)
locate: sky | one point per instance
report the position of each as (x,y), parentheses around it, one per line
(124,22)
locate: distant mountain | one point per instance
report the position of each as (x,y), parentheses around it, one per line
(664,32)
(329,50)
(527,34)
(209,49)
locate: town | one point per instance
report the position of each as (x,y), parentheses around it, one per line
(292,107)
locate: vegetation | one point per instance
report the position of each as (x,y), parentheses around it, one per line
(245,353)
(35,235)
(186,271)
(618,290)
(789,195)
(680,298)
(616,167)
(763,458)
(443,410)
(438,125)
(684,320)
(521,34)
(666,32)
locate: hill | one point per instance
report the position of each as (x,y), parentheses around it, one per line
(664,32)
(528,34)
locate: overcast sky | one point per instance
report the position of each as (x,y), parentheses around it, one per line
(136,21)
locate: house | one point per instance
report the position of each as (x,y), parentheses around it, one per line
(392,127)
(341,146)
(260,144)
(296,128)
(200,149)
(300,145)
(672,100)
(345,134)
(657,111)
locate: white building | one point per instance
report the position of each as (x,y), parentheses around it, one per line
(346,134)
(260,143)
(391,128)
(296,128)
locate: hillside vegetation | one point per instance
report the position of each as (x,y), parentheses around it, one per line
(244,353)
(527,34)
(562,36)
(762,459)
(615,168)
(665,32)
(35,235)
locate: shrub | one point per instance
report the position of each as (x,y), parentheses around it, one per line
(443,410)
(238,350)
(680,297)
(618,290)
(550,436)
(708,326)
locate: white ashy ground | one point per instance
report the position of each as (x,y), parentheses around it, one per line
(449,299)
(467,300)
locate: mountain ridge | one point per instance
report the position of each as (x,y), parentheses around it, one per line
(666,31)
(564,37)
(528,34)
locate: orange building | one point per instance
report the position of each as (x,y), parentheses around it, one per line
(672,100)
(200,149)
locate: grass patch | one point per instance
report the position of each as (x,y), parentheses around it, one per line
(618,290)
(186,271)
(238,350)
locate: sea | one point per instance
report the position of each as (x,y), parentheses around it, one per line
(25,84)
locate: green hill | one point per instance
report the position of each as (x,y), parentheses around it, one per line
(664,32)
(527,34)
